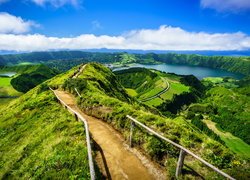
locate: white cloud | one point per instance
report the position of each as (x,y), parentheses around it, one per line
(57,3)
(226,5)
(13,24)
(163,38)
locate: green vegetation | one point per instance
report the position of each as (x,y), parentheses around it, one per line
(175,88)
(131,92)
(232,111)
(20,69)
(126,59)
(41,140)
(196,90)
(31,76)
(235,144)
(226,103)
(104,97)
(144,83)
(4,81)
(25,63)
(232,64)
(197,121)
(244,83)
(64,60)
(5,101)
(6,90)
(226,82)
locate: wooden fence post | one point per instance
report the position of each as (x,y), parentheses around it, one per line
(76,117)
(131,133)
(180,163)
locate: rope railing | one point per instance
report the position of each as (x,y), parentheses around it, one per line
(183,150)
(79,116)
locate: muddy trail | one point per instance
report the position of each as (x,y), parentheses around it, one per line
(114,158)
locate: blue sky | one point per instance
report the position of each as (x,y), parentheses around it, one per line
(125,24)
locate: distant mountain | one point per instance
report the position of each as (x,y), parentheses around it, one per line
(229,63)
(104,50)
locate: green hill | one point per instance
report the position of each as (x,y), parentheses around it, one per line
(40,140)
(167,92)
(106,100)
(143,83)
(225,110)
(31,76)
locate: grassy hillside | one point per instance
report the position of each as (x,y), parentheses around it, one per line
(225,110)
(6,89)
(20,69)
(106,99)
(232,111)
(235,144)
(41,140)
(232,64)
(30,76)
(143,83)
(7,92)
(26,77)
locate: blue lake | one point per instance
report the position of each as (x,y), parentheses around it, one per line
(199,72)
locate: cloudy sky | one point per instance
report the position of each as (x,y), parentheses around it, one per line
(39,25)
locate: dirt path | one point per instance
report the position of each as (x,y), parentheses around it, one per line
(79,71)
(114,159)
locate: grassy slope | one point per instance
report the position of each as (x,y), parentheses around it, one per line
(235,144)
(39,139)
(112,107)
(148,85)
(5,101)
(175,88)
(6,89)
(30,76)
(131,92)
(219,81)
(21,68)
(233,110)
(4,81)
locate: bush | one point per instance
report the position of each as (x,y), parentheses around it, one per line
(71,84)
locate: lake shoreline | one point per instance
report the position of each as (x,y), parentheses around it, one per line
(198,71)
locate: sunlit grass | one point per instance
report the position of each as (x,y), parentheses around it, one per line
(6,88)
(5,81)
(131,92)
(40,139)
(235,144)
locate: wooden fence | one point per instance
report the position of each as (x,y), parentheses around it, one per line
(79,116)
(183,150)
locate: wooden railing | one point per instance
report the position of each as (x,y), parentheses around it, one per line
(183,150)
(78,116)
